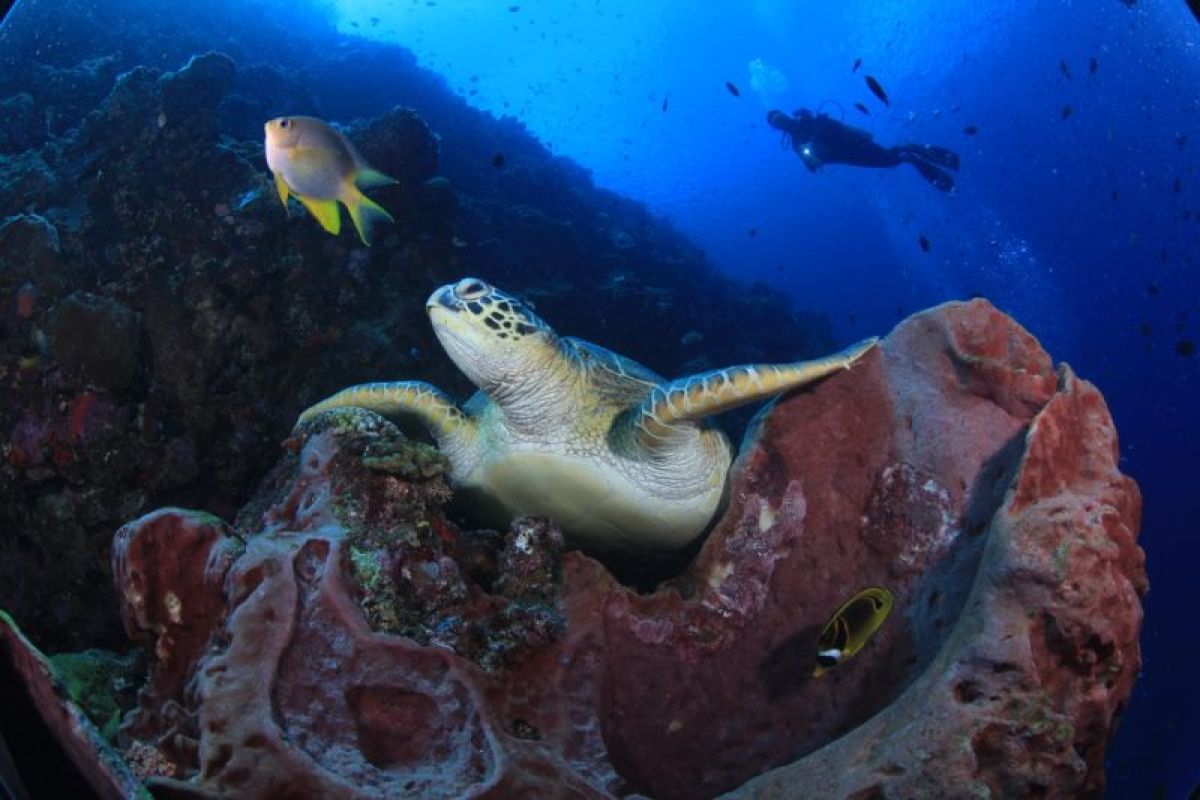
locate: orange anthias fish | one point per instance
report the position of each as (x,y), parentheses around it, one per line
(315,162)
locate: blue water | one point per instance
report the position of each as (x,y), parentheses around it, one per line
(1075,224)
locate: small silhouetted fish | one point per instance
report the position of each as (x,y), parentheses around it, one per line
(862,108)
(877,90)
(1181,139)
(971,130)
(1185,348)
(857,64)
(498,160)
(921,240)
(733,90)
(1113,195)
(513,9)
(1177,186)
(1093,65)
(1067,111)
(753,232)
(666,102)
(1065,69)
(1152,288)
(1144,328)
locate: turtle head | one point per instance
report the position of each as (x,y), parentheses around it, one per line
(494,338)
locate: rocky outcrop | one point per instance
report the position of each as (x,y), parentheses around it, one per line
(343,638)
(1023,633)
(356,612)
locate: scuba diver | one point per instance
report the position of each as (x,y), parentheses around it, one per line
(820,139)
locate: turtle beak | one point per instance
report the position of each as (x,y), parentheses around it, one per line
(443,298)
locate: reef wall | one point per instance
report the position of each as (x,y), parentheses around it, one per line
(344,639)
(163,319)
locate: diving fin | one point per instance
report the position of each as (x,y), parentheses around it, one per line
(939,178)
(935,155)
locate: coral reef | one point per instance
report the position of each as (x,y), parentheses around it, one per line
(302,664)
(163,319)
(345,639)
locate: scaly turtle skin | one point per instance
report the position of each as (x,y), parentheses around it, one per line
(613,453)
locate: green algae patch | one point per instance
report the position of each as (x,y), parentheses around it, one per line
(382,446)
(406,459)
(347,421)
(378,599)
(101,684)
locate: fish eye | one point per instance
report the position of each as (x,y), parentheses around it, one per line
(284,123)
(471,289)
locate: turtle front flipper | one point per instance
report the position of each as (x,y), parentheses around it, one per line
(423,401)
(693,398)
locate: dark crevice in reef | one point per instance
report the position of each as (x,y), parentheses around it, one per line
(45,770)
(644,572)
(944,589)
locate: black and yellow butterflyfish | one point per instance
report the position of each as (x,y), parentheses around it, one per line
(851,626)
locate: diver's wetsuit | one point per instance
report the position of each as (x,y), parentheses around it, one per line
(820,139)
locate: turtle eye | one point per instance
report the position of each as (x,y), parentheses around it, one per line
(469,289)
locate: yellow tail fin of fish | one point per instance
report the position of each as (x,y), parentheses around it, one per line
(365,212)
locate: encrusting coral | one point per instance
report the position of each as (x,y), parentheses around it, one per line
(344,638)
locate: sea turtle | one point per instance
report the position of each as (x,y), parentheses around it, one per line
(560,427)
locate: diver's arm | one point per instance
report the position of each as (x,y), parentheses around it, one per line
(808,154)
